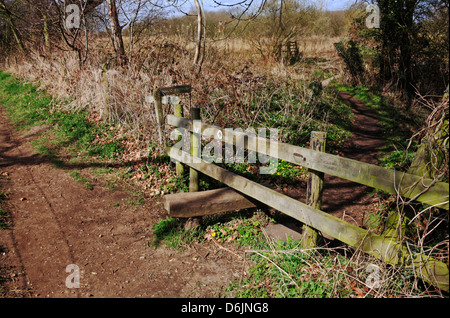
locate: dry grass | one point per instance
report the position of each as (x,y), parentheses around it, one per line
(332,272)
(231,82)
(118,94)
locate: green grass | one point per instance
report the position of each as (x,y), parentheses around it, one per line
(27,106)
(78,178)
(108,150)
(328,114)
(288,272)
(170,232)
(70,134)
(242,228)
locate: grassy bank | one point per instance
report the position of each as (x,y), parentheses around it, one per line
(27,107)
(283,268)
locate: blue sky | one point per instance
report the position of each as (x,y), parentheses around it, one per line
(330,4)
(339,4)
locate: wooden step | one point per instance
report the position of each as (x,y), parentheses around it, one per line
(192,204)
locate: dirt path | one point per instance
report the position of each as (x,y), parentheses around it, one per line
(345,199)
(56,222)
(342,198)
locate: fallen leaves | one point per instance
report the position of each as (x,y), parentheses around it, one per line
(220,235)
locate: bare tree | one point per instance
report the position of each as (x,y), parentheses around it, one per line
(139,16)
(243,14)
(71,35)
(9,18)
(200,47)
(117,38)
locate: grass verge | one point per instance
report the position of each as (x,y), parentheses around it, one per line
(283,268)
(27,106)
(69,134)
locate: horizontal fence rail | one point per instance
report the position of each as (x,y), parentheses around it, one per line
(406,185)
(391,181)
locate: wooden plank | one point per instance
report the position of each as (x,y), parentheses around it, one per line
(391,181)
(178,110)
(192,204)
(173,100)
(180,89)
(430,270)
(159,113)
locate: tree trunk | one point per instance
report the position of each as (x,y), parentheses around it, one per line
(429,159)
(116,33)
(200,35)
(10,21)
(314,190)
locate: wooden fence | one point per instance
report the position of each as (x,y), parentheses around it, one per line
(249,193)
(287,52)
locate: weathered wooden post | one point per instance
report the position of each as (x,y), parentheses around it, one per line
(314,189)
(157,97)
(178,111)
(195,140)
(195,149)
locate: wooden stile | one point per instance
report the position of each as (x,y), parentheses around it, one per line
(389,251)
(192,204)
(407,185)
(180,89)
(195,151)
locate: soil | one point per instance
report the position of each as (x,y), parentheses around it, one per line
(56,221)
(344,199)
